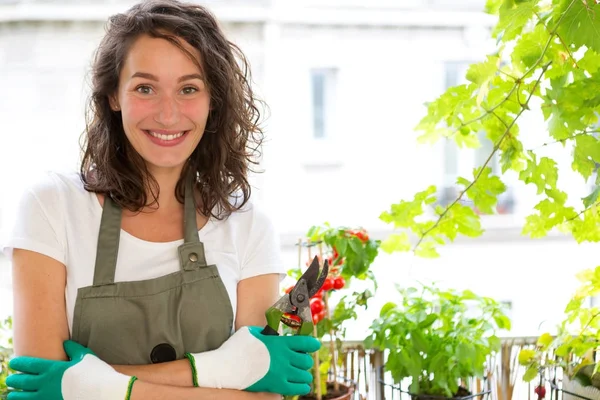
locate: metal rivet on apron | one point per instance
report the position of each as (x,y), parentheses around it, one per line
(163,352)
(193,257)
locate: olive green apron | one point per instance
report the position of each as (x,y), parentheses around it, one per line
(154,320)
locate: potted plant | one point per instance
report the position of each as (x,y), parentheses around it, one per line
(350,253)
(5,354)
(437,339)
(573,349)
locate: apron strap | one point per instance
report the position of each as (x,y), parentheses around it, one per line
(191,252)
(108,243)
(190,227)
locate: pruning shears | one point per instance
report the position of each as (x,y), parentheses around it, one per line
(296,303)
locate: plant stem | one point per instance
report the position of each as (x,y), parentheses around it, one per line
(317,374)
(336,385)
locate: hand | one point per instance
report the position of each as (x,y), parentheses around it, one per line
(85,376)
(255,362)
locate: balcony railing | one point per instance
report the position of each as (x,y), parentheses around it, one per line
(364,369)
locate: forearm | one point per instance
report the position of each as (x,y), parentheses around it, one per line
(152,391)
(174,373)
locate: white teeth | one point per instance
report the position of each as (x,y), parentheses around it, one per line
(166,137)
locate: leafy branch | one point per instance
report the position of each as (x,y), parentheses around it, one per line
(487,161)
(563,140)
(492,103)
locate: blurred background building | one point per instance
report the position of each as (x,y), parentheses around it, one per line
(346,82)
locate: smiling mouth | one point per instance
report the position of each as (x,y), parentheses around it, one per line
(166,137)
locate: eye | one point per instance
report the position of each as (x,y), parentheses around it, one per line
(143,89)
(189,90)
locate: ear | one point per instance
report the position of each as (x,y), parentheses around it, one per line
(114,103)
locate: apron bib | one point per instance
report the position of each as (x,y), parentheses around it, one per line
(155,320)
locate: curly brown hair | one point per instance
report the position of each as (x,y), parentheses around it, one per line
(232,138)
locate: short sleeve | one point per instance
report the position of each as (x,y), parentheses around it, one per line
(37,224)
(262,250)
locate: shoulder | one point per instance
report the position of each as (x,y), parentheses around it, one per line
(55,185)
(252,216)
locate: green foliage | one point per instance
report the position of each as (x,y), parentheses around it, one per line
(436,337)
(547,52)
(578,336)
(5,354)
(352,245)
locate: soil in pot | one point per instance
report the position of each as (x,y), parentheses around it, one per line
(344,393)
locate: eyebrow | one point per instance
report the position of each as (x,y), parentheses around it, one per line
(155,78)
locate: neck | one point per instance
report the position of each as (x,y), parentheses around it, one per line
(167,181)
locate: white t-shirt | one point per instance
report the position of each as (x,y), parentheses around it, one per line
(57,217)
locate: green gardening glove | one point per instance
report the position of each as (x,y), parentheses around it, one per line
(85,376)
(255,362)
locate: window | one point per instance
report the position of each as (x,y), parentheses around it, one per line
(322,89)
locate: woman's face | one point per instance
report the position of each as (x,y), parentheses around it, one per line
(164,102)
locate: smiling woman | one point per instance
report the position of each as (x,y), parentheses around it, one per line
(164,112)
(146,274)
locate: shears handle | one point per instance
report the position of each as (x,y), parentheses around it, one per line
(274,316)
(273,319)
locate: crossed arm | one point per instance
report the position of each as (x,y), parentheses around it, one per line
(39,307)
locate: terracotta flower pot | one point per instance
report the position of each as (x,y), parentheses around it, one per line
(345,393)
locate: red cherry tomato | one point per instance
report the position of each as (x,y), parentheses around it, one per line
(328,284)
(288,290)
(319,294)
(339,283)
(362,235)
(315,318)
(316,305)
(322,314)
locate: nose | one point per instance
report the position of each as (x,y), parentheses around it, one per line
(167,113)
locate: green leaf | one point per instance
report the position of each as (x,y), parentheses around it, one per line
(526,356)
(427,250)
(403,214)
(485,191)
(530,374)
(592,198)
(465,352)
(494,342)
(386,308)
(529,48)
(502,321)
(574,304)
(483,72)
(341,246)
(428,321)
(466,141)
(580,24)
(563,350)
(544,341)
(586,154)
(512,20)
(396,242)
(590,61)
(541,174)
(419,341)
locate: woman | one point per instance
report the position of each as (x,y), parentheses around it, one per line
(151,256)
